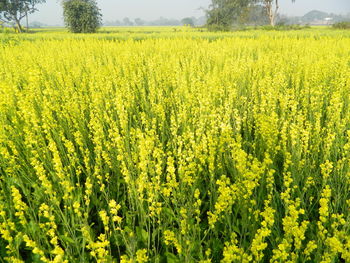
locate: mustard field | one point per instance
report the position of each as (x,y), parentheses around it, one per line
(175,146)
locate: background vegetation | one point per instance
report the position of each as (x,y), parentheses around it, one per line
(342,25)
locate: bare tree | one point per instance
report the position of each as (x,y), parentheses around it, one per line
(272,7)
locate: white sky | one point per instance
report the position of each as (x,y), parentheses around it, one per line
(51,12)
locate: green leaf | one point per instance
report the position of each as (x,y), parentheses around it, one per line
(171,258)
(67,239)
(142,234)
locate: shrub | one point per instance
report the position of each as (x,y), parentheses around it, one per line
(217,27)
(342,25)
(283,27)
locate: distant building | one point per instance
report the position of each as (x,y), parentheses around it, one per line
(329,20)
(322,22)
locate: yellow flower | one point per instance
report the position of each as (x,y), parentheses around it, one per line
(114,208)
(141,256)
(170,239)
(105,219)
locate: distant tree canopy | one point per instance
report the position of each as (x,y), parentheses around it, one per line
(13,11)
(139,22)
(187,21)
(127,21)
(225,13)
(82,16)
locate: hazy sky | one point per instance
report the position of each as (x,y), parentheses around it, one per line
(51,12)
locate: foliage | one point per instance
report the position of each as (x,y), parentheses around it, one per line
(224,13)
(187,21)
(342,25)
(82,16)
(283,27)
(13,11)
(256,15)
(139,22)
(191,147)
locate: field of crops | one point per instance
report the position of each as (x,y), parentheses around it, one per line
(175,146)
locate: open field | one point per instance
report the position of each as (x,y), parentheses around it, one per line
(163,145)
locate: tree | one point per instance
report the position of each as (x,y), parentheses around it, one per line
(127,22)
(13,11)
(82,16)
(272,7)
(256,16)
(224,13)
(187,21)
(139,22)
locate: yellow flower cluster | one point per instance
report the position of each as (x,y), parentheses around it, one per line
(99,249)
(36,250)
(324,211)
(170,239)
(114,208)
(19,205)
(232,253)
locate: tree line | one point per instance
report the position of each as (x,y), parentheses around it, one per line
(84,16)
(161,21)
